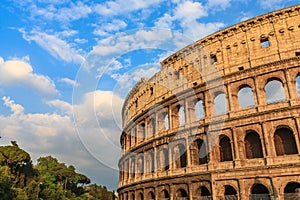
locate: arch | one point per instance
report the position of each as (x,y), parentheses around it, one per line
(253,145)
(245,97)
(150,162)
(203,192)
(225,149)
(132,196)
(181,114)
(179,156)
(198,152)
(220,104)
(166,121)
(163,159)
(229,190)
(284,142)
(199,111)
(259,191)
(132,167)
(140,166)
(150,127)
(274,91)
(151,195)
(141,196)
(298,85)
(181,193)
(164,194)
(292,190)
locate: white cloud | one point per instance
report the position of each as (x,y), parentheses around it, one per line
(110,8)
(19,72)
(198,30)
(16,109)
(189,11)
(106,29)
(57,47)
(272,4)
(218,4)
(69,82)
(98,120)
(73,12)
(61,105)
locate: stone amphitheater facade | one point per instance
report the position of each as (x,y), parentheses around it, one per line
(221,119)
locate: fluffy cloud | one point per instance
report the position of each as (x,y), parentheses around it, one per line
(69,82)
(189,11)
(218,4)
(20,72)
(57,47)
(110,8)
(106,29)
(272,4)
(73,11)
(97,121)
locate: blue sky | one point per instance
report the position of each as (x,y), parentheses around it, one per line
(66,66)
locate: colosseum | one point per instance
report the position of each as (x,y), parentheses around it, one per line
(221,119)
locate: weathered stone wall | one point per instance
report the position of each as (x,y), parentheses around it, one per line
(178,142)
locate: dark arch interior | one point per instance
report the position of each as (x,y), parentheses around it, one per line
(284,141)
(204,191)
(181,193)
(151,195)
(292,187)
(259,189)
(165,194)
(202,154)
(253,145)
(225,149)
(141,196)
(229,190)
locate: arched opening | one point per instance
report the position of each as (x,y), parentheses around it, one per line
(163,159)
(140,166)
(198,152)
(229,190)
(274,92)
(179,156)
(165,194)
(260,191)
(245,97)
(132,196)
(181,193)
(181,116)
(150,162)
(132,167)
(166,121)
(199,111)
(151,195)
(253,145)
(292,191)
(230,193)
(298,85)
(141,196)
(141,132)
(220,104)
(150,128)
(203,193)
(225,149)
(284,141)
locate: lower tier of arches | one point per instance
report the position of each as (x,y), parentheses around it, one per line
(280,183)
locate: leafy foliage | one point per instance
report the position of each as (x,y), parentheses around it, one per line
(49,179)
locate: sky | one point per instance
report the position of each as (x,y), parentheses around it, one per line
(66,67)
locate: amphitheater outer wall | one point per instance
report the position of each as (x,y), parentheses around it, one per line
(177,143)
